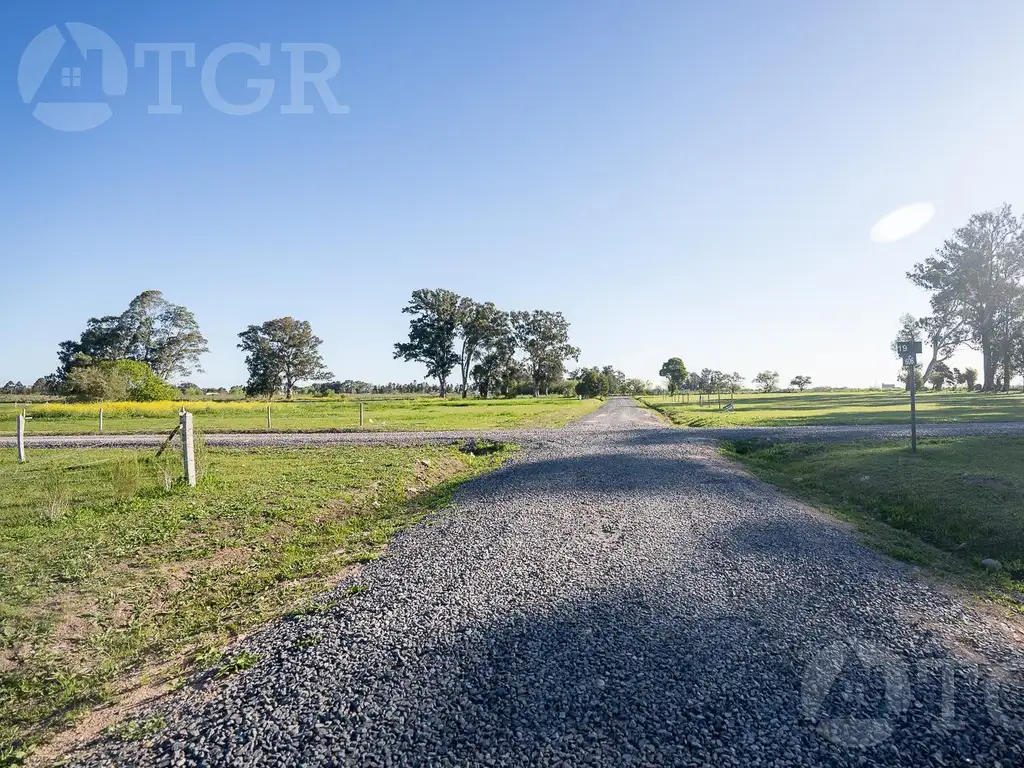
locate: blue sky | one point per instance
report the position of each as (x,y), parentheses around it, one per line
(679,178)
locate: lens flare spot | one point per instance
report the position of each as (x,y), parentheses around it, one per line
(901,223)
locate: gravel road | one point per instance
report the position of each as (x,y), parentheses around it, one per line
(605,419)
(614,598)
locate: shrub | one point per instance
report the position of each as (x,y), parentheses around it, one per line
(125,477)
(56,494)
(118,380)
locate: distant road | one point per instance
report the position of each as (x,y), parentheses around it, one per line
(603,420)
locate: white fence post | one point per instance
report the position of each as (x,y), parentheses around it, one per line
(188,448)
(268,416)
(101,421)
(360,413)
(21,438)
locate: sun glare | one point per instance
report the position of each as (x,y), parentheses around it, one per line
(901,223)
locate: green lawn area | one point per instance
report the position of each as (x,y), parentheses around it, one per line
(790,409)
(109,579)
(319,415)
(955,503)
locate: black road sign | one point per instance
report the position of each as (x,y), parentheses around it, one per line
(904,348)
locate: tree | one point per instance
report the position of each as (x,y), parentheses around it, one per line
(616,379)
(800,382)
(433,330)
(1009,336)
(591,384)
(674,371)
(768,381)
(498,369)
(975,279)
(551,373)
(904,377)
(43,386)
(711,381)
(734,382)
(483,379)
(940,376)
(281,353)
(970,377)
(152,330)
(943,333)
(188,389)
(478,325)
(544,336)
(636,387)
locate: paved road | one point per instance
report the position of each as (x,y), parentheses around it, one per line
(615,598)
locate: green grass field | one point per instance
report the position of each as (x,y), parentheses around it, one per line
(408,414)
(953,504)
(787,409)
(110,580)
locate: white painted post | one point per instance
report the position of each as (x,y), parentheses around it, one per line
(268,417)
(101,421)
(188,448)
(21,438)
(360,413)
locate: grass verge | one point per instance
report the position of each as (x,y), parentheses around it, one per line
(112,577)
(794,409)
(320,415)
(953,504)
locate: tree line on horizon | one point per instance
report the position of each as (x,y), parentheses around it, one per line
(131,356)
(710,381)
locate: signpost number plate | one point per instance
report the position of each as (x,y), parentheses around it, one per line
(908,350)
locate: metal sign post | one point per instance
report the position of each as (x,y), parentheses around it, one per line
(913,407)
(909,350)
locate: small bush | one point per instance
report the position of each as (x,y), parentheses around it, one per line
(125,477)
(57,495)
(167,467)
(238,662)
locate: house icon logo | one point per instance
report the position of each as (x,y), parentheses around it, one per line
(38,61)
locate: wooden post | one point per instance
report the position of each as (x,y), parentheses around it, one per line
(268,417)
(21,438)
(360,413)
(188,448)
(101,421)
